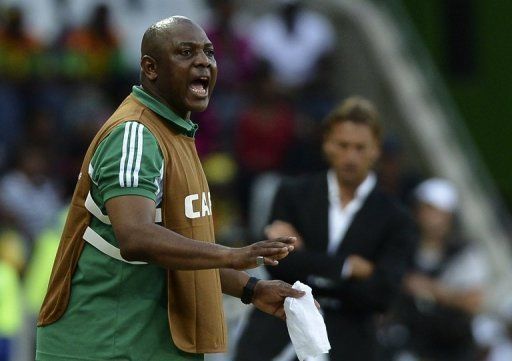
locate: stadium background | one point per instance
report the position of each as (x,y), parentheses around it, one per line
(56,87)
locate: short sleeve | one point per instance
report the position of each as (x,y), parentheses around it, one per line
(127,162)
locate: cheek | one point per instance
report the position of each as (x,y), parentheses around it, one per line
(213,79)
(372,156)
(332,154)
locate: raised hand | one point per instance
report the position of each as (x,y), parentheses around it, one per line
(271,251)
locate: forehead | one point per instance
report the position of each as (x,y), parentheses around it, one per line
(351,131)
(186,32)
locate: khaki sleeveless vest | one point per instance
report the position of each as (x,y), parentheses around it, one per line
(196,316)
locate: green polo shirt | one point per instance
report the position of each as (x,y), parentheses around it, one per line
(118,311)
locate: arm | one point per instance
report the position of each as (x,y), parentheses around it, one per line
(302,264)
(368,286)
(132,219)
(468,300)
(353,267)
(285,219)
(377,291)
(131,210)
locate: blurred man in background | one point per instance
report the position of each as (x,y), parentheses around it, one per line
(353,241)
(445,288)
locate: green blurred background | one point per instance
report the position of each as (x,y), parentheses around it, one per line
(470,44)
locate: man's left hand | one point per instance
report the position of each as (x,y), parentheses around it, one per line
(269,296)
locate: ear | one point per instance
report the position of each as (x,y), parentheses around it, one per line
(148,66)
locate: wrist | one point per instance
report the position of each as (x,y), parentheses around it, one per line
(227,257)
(249,290)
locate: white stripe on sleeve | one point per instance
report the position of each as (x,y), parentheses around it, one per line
(123,157)
(131,155)
(140,144)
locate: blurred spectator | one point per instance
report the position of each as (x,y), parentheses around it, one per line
(85,111)
(93,51)
(232,51)
(12,264)
(18,57)
(220,170)
(11,121)
(264,133)
(353,241)
(493,336)
(12,248)
(39,268)
(212,137)
(393,176)
(445,289)
(18,49)
(37,277)
(294,41)
(40,130)
(10,309)
(234,56)
(29,197)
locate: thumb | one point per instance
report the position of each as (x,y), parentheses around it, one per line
(291,292)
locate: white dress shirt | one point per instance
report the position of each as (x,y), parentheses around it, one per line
(341,217)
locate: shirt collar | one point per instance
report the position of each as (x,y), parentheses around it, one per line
(185,126)
(362,191)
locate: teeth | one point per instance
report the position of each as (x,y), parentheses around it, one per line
(198,91)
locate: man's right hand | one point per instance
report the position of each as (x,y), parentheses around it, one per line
(272,251)
(360,268)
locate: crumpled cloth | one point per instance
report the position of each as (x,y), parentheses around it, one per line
(306,325)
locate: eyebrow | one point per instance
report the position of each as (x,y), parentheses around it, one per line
(193,43)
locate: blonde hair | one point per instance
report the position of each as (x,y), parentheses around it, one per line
(354,109)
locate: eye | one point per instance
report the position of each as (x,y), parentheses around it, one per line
(186,52)
(209,53)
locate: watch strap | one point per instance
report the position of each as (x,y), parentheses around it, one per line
(248,291)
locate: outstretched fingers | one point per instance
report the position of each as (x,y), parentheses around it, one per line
(287,242)
(290,241)
(271,255)
(271,251)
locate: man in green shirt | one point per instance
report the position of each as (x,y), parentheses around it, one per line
(149,267)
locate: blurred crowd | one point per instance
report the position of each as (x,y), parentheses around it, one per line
(263,123)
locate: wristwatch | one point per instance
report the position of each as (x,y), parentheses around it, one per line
(248,292)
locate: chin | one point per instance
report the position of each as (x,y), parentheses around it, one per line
(198,106)
(352,180)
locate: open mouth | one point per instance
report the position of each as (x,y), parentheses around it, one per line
(199,86)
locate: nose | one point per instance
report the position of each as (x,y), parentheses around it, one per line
(350,159)
(202,59)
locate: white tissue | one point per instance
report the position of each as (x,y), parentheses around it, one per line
(305,324)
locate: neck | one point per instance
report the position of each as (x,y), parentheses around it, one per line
(153,91)
(348,189)
(347,194)
(431,242)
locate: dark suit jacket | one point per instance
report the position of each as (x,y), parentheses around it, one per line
(381,231)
